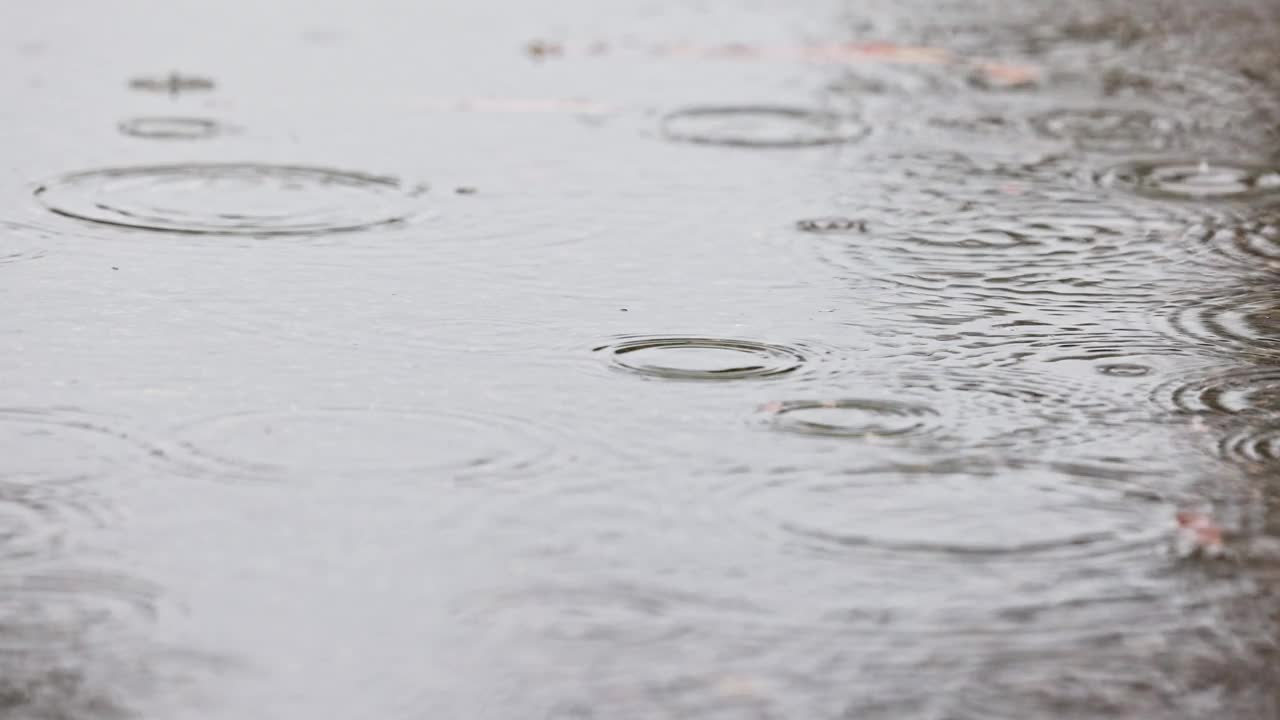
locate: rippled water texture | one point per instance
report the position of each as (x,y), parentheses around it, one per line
(877,360)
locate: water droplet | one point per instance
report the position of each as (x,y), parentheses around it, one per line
(173,83)
(1108,129)
(230,199)
(1124,370)
(761,126)
(172,128)
(831,225)
(696,358)
(851,417)
(1193,179)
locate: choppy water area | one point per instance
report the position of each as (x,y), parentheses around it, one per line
(657,360)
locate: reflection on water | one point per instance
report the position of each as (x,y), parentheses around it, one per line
(970,303)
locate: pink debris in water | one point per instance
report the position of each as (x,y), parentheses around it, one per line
(1007,76)
(1198,535)
(772,408)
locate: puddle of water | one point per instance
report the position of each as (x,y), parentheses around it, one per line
(929,464)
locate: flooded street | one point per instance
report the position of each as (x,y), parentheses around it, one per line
(649,359)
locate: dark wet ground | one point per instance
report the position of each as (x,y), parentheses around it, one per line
(640,360)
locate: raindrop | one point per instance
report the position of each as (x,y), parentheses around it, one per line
(697,358)
(230,199)
(1107,129)
(1194,179)
(850,417)
(172,128)
(761,126)
(174,83)
(1124,370)
(831,225)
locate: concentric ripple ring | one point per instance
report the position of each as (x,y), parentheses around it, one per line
(1189,179)
(230,199)
(850,417)
(730,359)
(761,126)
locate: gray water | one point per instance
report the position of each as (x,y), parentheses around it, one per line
(646,359)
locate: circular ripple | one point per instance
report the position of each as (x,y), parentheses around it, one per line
(1194,179)
(1108,130)
(695,358)
(171,128)
(359,444)
(1250,325)
(1124,370)
(1244,391)
(1254,244)
(56,610)
(230,199)
(850,417)
(62,447)
(761,126)
(1019,249)
(37,521)
(19,242)
(1252,444)
(1007,513)
(949,411)
(44,495)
